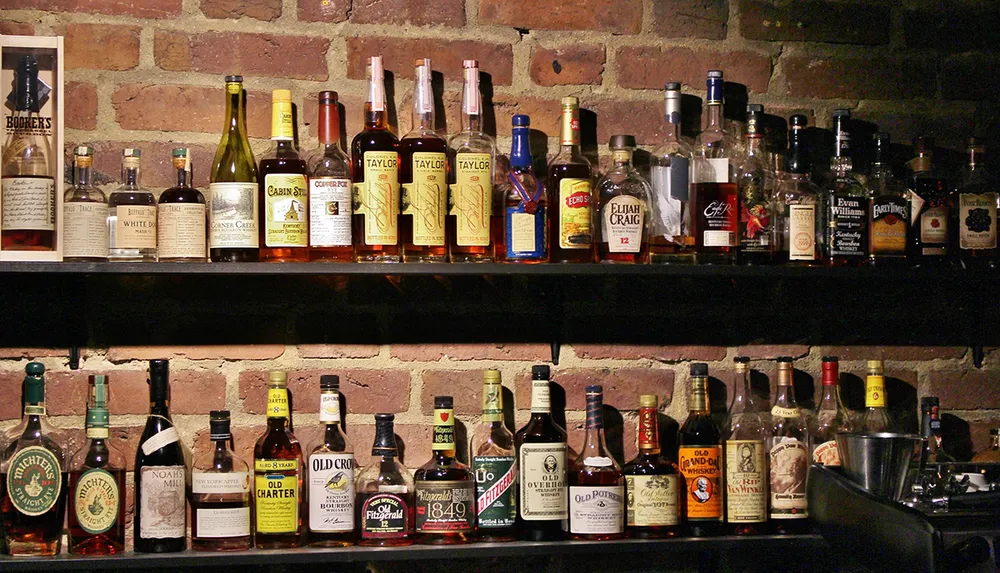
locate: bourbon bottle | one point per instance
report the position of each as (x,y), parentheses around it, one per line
(570,193)
(385,493)
(446,495)
(277,458)
(284,190)
(699,454)
(596,481)
(745,459)
(652,482)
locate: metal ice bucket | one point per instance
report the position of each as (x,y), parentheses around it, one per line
(877,462)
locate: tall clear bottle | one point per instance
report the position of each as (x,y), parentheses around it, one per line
(714,216)
(220,492)
(699,457)
(652,482)
(889,223)
(571,205)
(756,195)
(623,208)
(876,417)
(85,213)
(277,461)
(445,507)
(131,215)
(846,201)
(670,239)
(831,416)
(745,459)
(525,237)
(283,189)
(596,481)
(330,189)
(385,500)
(494,467)
(331,474)
(798,204)
(233,204)
(788,454)
(181,216)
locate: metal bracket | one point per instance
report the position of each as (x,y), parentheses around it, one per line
(977,356)
(555,352)
(74,357)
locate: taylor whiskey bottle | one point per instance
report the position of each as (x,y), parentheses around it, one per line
(596,482)
(494,467)
(330,189)
(385,497)
(745,459)
(714,216)
(330,475)
(446,495)
(220,492)
(652,482)
(570,179)
(699,456)
(277,460)
(284,191)
(788,456)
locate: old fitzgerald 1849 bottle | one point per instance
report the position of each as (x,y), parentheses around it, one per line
(492,453)
(698,457)
(570,202)
(446,495)
(284,192)
(745,460)
(789,457)
(652,482)
(541,464)
(277,459)
(385,493)
(596,482)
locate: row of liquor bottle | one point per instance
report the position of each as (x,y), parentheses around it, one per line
(747,477)
(422,198)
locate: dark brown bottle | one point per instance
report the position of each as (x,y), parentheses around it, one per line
(284,190)
(385,493)
(571,202)
(445,503)
(652,482)
(699,459)
(181,216)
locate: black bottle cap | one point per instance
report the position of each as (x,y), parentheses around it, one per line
(230,79)
(927,403)
(699,369)
(742,360)
(798,120)
(159,371)
(329,382)
(385,439)
(784,359)
(594,389)
(540,372)
(621,141)
(841,114)
(754,108)
(831,359)
(218,415)
(218,425)
(444,402)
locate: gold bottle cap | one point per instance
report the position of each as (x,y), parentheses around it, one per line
(570,102)
(281,95)
(648,401)
(875,364)
(277,377)
(491,376)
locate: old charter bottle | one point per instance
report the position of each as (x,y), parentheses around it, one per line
(330,189)
(131,215)
(745,459)
(331,474)
(569,186)
(220,492)
(596,482)
(670,239)
(714,216)
(385,499)
(181,216)
(788,454)
(699,458)
(277,460)
(445,490)
(493,467)
(284,190)
(85,213)
(831,416)
(652,482)
(525,227)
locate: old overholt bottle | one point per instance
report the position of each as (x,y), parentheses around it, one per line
(652,482)
(446,496)
(385,493)
(698,457)
(745,460)
(277,459)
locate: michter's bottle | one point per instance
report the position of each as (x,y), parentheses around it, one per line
(746,459)
(85,214)
(596,482)
(846,202)
(699,458)
(277,458)
(652,482)
(890,211)
(446,494)
(570,202)
(492,451)
(385,493)
(789,457)
(284,192)
(331,474)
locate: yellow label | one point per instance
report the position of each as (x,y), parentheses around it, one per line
(234,87)
(700,467)
(472,199)
(574,209)
(277,403)
(279,465)
(281,120)
(277,503)
(426,197)
(286,202)
(875,392)
(652,500)
(377,197)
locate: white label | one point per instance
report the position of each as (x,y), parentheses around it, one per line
(329,407)
(719,170)
(329,212)
(220,482)
(218,523)
(542,481)
(331,492)
(160,439)
(134,227)
(522,233)
(667,187)
(180,230)
(802,232)
(162,503)
(596,509)
(233,216)
(85,230)
(28,204)
(622,223)
(720,238)
(540,399)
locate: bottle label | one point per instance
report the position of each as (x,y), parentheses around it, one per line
(96,501)
(34,480)
(233,216)
(445,506)
(596,509)
(329,212)
(847,227)
(789,466)
(384,515)
(331,492)
(329,407)
(97,432)
(162,505)
(719,219)
(160,440)
(472,199)
(622,224)
(222,523)
(746,481)
(653,500)
(783,412)
(377,197)
(496,506)
(934,225)
(541,399)
(85,230)
(648,437)
(827,454)
(717,170)
(180,230)
(426,199)
(977,220)
(135,227)
(444,429)
(543,481)
(670,193)
(286,202)
(802,232)
(277,495)
(28,203)
(875,392)
(700,467)
(277,403)
(525,233)
(220,482)
(755,224)
(889,224)
(574,211)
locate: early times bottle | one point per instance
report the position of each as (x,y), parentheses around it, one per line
(277,458)
(493,467)
(445,502)
(889,222)
(331,474)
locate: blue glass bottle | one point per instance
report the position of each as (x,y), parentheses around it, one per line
(525,235)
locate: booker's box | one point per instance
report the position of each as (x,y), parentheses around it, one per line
(48,51)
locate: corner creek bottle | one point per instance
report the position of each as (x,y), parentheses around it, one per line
(181,216)
(160,474)
(788,453)
(330,189)
(652,482)
(831,416)
(699,458)
(745,459)
(220,493)
(330,474)
(596,482)
(277,460)
(494,467)
(569,184)
(445,490)
(385,497)
(284,191)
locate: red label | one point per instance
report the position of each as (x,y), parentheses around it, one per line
(577,200)
(647,428)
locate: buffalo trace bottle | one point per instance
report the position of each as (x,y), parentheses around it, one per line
(745,459)
(622,208)
(385,493)
(670,239)
(284,191)
(846,202)
(445,490)
(131,215)
(756,195)
(329,189)
(525,204)
(181,216)
(889,221)
(569,186)
(596,482)
(698,456)
(423,176)
(714,216)
(788,453)
(831,417)
(375,170)
(493,467)
(541,465)
(220,492)
(331,474)
(652,482)
(277,460)
(85,213)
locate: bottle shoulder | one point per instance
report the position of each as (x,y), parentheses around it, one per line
(125,196)
(468,141)
(85,195)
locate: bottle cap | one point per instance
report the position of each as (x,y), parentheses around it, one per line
(234,79)
(159,366)
(329,382)
(281,95)
(648,401)
(995,431)
(180,152)
(131,152)
(928,403)
(672,86)
(419,62)
(699,369)
(469,64)
(83,151)
(594,389)
(742,360)
(443,402)
(570,102)
(622,142)
(492,376)
(842,114)
(277,377)
(832,359)
(520,120)
(327,97)
(781,359)
(540,372)
(34,369)
(218,415)
(923,145)
(875,364)
(798,120)
(715,74)
(34,383)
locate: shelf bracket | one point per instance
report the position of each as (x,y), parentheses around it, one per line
(555,352)
(74,357)
(977,356)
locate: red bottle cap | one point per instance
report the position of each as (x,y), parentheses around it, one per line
(831,370)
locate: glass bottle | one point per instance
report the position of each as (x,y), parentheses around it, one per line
(745,458)
(933,451)
(85,214)
(569,187)
(331,474)
(623,208)
(423,177)
(28,187)
(846,201)
(889,221)
(525,203)
(472,219)
(596,481)
(788,454)
(97,482)
(541,465)
(131,215)
(928,207)
(832,417)
(181,216)
(220,492)
(974,210)
(160,522)
(446,495)
(232,230)
(385,500)
(652,482)
(798,204)
(670,239)
(714,216)
(698,456)
(330,189)
(494,467)
(277,460)
(33,476)
(283,190)
(756,195)
(875,418)
(375,171)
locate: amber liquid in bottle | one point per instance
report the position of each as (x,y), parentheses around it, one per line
(596,482)
(329,186)
(385,499)
(653,484)
(699,456)
(443,484)
(278,448)
(493,463)
(571,234)
(292,244)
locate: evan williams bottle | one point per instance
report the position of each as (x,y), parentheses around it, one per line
(284,192)
(698,457)
(653,484)
(570,202)
(745,461)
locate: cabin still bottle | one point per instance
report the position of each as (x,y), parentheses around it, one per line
(670,239)
(85,213)
(569,186)
(330,189)
(494,467)
(284,191)
(525,204)
(623,208)
(745,459)
(385,495)
(277,458)
(330,475)
(220,492)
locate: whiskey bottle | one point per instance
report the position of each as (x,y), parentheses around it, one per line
(525,204)
(330,189)
(232,229)
(375,170)
(445,490)
(181,216)
(831,416)
(929,215)
(623,208)
(596,481)
(28,195)
(569,187)
(889,216)
(847,201)
(131,215)
(541,465)
(788,454)
(385,499)
(933,451)
(331,474)
(875,418)
(32,475)
(798,204)
(670,239)
(714,217)
(974,210)
(277,461)
(494,467)
(652,482)
(423,176)
(160,474)
(745,458)
(220,493)
(284,190)
(699,457)
(97,482)
(756,195)
(85,214)
(471,213)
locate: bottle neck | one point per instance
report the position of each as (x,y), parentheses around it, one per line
(699,396)
(785,397)
(796,163)
(671,132)
(160,407)
(755,145)
(713,116)
(82,175)
(443,441)
(742,401)
(829,401)
(520,148)
(130,176)
(329,125)
(183,177)
(423,101)
(385,441)
(622,158)
(649,431)
(541,402)
(472,103)
(569,133)
(375,119)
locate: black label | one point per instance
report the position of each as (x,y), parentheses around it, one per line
(384,515)
(848,226)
